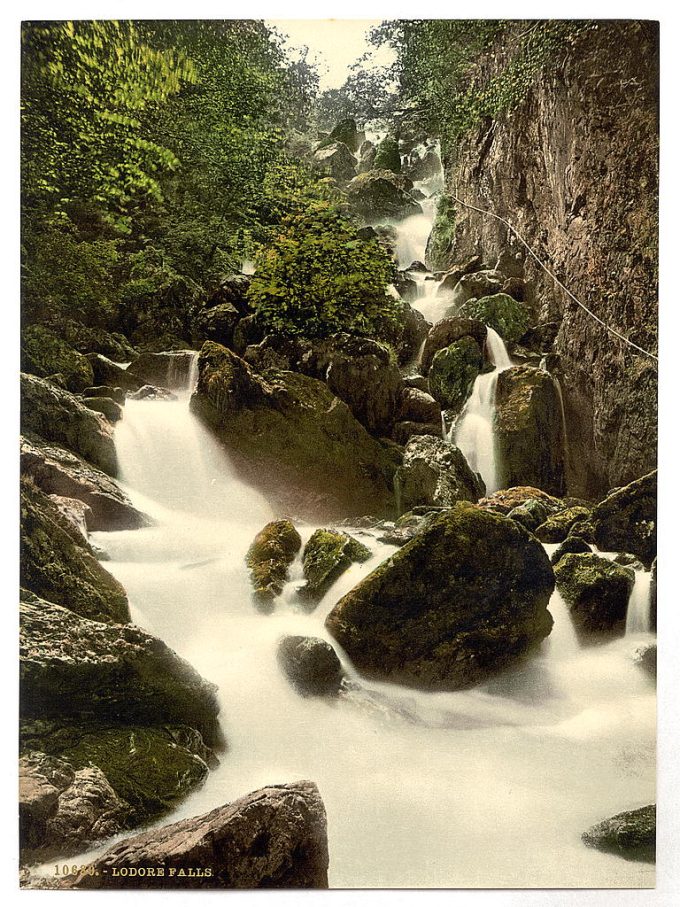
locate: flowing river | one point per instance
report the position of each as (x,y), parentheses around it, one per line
(489,787)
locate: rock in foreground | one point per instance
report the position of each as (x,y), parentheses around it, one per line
(462,599)
(597,592)
(630,834)
(272,838)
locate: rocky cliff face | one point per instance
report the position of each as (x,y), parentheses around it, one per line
(575,170)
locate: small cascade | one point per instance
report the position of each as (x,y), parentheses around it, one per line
(637,616)
(474,431)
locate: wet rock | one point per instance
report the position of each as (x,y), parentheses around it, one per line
(150,768)
(58,564)
(462,599)
(402,432)
(646,658)
(405,285)
(582,529)
(541,337)
(570,545)
(43,353)
(625,559)
(422,168)
(408,335)
(380,194)
(327,555)
(336,161)
(84,670)
(451,277)
(311,665)
(507,499)
(631,834)
(57,471)
(418,406)
(61,810)
(106,406)
(233,290)
(508,317)
(448,331)
(216,323)
(529,432)
(74,511)
(150,392)
(56,415)
(597,592)
(272,838)
(272,551)
(248,331)
(419,382)
(558,526)
(107,372)
(435,471)
(453,373)
(626,519)
(408,526)
(530,514)
(289,432)
(102,390)
(478,284)
(170,368)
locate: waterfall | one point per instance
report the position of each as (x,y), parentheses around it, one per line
(474,431)
(637,615)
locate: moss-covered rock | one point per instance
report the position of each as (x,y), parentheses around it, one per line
(327,555)
(273,549)
(169,368)
(107,406)
(381,194)
(570,545)
(462,599)
(387,155)
(631,834)
(448,331)
(626,519)
(530,514)
(43,353)
(528,430)
(453,373)
(435,471)
(507,499)
(346,132)
(216,322)
(86,671)
(58,564)
(597,592)
(87,339)
(508,317)
(558,526)
(56,415)
(288,433)
(311,665)
(107,372)
(478,284)
(337,161)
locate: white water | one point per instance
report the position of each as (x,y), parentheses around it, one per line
(474,431)
(637,616)
(489,787)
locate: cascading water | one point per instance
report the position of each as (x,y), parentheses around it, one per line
(637,616)
(474,431)
(487,787)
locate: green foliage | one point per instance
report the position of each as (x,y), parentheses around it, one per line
(387,155)
(316,277)
(368,96)
(443,233)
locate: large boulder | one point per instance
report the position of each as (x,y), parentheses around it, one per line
(272,838)
(327,555)
(631,834)
(346,132)
(529,430)
(596,591)
(233,290)
(57,471)
(216,323)
(418,406)
(626,519)
(381,195)
(507,499)
(88,339)
(435,472)
(453,373)
(311,665)
(289,433)
(409,334)
(477,284)
(559,525)
(56,415)
(43,353)
(272,551)
(448,331)
(86,671)
(465,597)
(170,368)
(530,514)
(508,317)
(107,406)
(106,372)
(336,161)
(58,564)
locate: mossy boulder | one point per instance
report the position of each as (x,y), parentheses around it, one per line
(43,353)
(169,368)
(56,415)
(528,430)
(626,519)
(291,435)
(448,331)
(507,499)
(530,514)
(311,665)
(337,161)
(479,285)
(107,406)
(108,372)
(381,195)
(58,564)
(387,155)
(453,373)
(570,545)
(631,834)
(86,671)
(457,603)
(435,471)
(346,132)
(596,591)
(327,555)
(559,525)
(87,339)
(272,551)
(507,316)
(216,323)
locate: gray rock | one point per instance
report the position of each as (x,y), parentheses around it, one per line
(434,471)
(109,373)
(336,161)
(106,406)
(626,519)
(311,665)
(103,390)
(418,406)
(630,834)
(170,369)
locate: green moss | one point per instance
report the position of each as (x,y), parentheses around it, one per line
(387,156)
(327,555)
(45,354)
(597,592)
(453,372)
(272,550)
(505,315)
(558,526)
